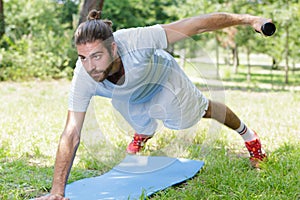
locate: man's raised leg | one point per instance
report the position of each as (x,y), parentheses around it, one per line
(226,116)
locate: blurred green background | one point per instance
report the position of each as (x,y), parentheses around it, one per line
(36,36)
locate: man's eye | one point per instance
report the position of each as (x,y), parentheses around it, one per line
(97,57)
(82,58)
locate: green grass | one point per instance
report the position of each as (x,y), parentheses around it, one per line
(33,115)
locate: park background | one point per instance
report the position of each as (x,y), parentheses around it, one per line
(257,76)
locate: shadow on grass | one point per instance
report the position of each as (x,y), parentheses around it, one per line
(252,88)
(274,79)
(262,79)
(258,83)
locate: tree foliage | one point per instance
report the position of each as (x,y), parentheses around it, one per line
(2,21)
(37,41)
(133,13)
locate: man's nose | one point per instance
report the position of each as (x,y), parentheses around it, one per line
(91,65)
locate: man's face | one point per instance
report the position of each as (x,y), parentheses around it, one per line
(96,59)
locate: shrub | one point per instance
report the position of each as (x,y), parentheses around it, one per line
(36,44)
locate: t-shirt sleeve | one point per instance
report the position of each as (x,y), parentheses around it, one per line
(151,37)
(82,89)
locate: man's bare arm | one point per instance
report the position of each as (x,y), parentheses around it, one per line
(209,22)
(66,151)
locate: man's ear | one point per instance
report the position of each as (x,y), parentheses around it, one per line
(114,49)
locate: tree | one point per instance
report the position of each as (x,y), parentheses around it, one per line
(285,17)
(2,22)
(133,13)
(88,5)
(226,38)
(68,12)
(294,37)
(246,37)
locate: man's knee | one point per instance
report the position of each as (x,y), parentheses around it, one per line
(208,111)
(215,110)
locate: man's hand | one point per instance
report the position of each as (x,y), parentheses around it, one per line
(258,22)
(52,197)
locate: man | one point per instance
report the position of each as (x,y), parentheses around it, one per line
(145,84)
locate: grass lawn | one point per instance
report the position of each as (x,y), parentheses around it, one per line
(33,115)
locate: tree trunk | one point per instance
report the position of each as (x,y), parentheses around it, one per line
(2,22)
(89,5)
(236,60)
(294,66)
(217,57)
(274,63)
(286,68)
(249,66)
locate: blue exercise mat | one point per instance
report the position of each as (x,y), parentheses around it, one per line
(134,177)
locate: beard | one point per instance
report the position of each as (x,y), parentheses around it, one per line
(101,75)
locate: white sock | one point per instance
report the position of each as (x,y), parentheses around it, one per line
(246,133)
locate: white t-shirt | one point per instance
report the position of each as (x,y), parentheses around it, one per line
(154,88)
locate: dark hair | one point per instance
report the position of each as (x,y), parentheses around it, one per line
(94,29)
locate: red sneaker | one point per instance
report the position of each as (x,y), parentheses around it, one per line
(257,154)
(137,143)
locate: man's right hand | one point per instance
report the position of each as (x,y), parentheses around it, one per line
(52,197)
(67,147)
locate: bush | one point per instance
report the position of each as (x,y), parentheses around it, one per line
(36,44)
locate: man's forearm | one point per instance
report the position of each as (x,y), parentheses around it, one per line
(216,21)
(209,22)
(63,163)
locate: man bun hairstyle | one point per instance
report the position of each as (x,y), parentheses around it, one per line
(94,28)
(94,14)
